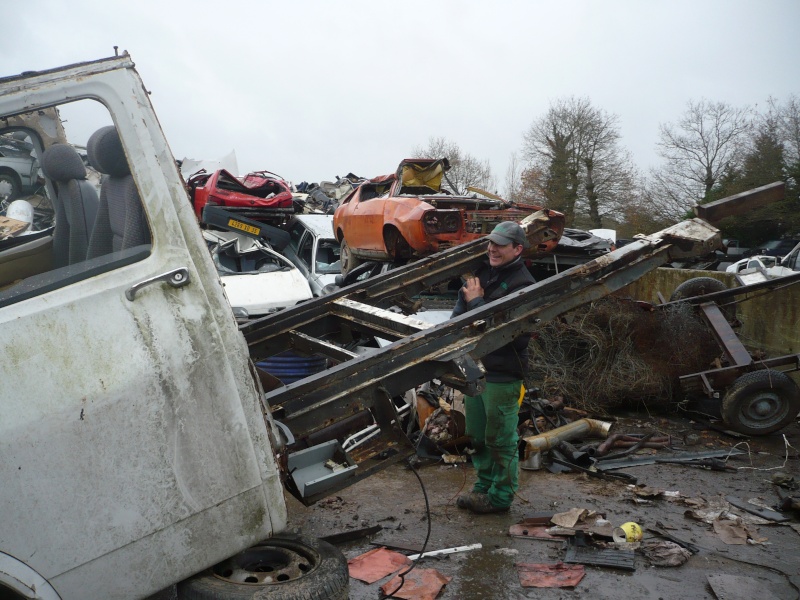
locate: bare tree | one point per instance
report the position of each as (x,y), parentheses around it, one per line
(513,182)
(576,163)
(787,121)
(707,142)
(465,170)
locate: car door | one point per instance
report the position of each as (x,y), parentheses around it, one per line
(134,445)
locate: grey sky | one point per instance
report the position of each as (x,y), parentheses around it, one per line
(314,89)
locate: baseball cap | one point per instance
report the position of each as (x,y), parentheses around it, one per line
(508,232)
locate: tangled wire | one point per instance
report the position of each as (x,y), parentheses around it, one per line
(614,352)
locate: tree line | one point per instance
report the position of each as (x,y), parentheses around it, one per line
(572,160)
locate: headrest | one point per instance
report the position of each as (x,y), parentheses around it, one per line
(62,163)
(106,154)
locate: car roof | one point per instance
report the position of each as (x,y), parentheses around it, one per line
(320,225)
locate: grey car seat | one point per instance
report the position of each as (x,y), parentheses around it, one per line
(121,222)
(76,204)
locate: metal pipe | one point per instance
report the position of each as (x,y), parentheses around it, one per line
(626,440)
(649,444)
(577,429)
(632,448)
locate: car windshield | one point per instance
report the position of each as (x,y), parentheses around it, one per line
(327,260)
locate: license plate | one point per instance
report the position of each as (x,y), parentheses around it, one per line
(244,227)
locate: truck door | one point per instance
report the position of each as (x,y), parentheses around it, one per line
(134,443)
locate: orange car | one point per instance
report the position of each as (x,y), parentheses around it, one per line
(409,214)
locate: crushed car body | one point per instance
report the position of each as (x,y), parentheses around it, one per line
(257,195)
(411,213)
(257,280)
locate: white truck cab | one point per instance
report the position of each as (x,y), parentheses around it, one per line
(135,446)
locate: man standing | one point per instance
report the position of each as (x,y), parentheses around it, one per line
(491,419)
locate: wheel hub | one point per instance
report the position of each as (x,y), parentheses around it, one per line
(763,406)
(264,565)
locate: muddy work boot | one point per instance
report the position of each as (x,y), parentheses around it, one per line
(466,500)
(481,505)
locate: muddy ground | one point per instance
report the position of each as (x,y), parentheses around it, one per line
(395,500)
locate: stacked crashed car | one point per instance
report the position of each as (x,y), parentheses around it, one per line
(575,247)
(19,170)
(415,212)
(257,279)
(768,265)
(257,195)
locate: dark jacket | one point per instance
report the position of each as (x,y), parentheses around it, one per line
(510,362)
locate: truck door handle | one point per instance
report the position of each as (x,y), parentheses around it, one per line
(175,278)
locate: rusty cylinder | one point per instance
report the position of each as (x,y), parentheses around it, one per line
(577,429)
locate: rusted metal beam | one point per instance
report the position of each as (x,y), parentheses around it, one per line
(449,350)
(740,204)
(726,337)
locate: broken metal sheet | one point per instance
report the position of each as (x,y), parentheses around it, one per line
(608,557)
(759,511)
(556,575)
(694,237)
(417,584)
(651,460)
(376,564)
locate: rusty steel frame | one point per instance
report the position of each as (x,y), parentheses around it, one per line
(419,352)
(714,381)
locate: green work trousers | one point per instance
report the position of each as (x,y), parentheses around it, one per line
(492,424)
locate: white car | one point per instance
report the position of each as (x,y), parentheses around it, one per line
(314,250)
(257,280)
(760,264)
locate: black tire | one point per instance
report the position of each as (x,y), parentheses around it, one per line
(301,568)
(761,402)
(700,286)
(10,188)
(398,249)
(348,260)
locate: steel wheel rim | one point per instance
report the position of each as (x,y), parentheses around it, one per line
(266,565)
(763,409)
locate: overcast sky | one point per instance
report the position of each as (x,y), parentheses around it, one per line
(314,89)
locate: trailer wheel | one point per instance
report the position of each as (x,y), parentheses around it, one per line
(281,568)
(699,286)
(349,261)
(761,402)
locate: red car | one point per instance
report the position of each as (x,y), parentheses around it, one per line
(257,195)
(410,214)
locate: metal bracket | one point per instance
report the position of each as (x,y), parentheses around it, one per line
(175,278)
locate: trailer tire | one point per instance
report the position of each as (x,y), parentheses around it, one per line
(303,569)
(761,402)
(699,286)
